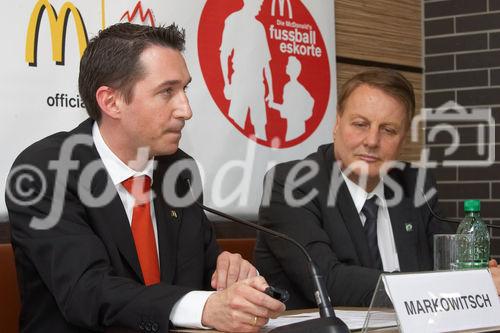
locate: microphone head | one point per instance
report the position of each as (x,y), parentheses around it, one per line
(185,175)
(193,183)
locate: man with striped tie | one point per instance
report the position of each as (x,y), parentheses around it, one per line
(351,203)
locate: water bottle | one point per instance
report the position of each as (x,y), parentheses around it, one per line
(475,252)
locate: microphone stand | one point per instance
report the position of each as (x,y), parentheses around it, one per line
(328,321)
(444,219)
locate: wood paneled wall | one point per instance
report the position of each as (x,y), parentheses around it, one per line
(381,30)
(381,33)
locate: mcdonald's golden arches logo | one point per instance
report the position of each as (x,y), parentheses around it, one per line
(58,25)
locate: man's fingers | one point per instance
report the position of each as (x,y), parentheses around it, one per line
(254,321)
(252,272)
(492,263)
(249,308)
(263,304)
(231,268)
(249,323)
(250,298)
(228,269)
(234,269)
(246,271)
(213,281)
(221,270)
(242,307)
(257,282)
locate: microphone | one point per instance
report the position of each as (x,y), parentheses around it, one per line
(444,219)
(328,321)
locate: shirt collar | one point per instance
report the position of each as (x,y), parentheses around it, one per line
(117,170)
(359,195)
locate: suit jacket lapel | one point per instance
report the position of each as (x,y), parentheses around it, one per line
(404,230)
(168,222)
(353,224)
(114,215)
(351,219)
(114,218)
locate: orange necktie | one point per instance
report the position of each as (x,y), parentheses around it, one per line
(142,228)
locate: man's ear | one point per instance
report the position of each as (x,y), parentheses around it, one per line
(336,125)
(108,100)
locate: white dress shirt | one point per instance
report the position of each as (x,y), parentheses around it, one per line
(187,311)
(385,237)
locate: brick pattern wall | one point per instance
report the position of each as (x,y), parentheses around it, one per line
(462,64)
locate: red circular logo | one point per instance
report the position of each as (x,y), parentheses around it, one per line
(266,67)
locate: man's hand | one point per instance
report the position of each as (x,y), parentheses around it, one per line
(242,307)
(231,267)
(495,274)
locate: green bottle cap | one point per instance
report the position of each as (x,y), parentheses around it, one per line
(472,205)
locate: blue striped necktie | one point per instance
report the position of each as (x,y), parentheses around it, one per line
(370,210)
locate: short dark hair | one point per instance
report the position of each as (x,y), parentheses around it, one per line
(112,59)
(387,80)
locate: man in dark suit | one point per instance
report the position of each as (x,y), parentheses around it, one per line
(100,234)
(356,210)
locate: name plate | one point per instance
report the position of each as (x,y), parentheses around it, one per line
(444,301)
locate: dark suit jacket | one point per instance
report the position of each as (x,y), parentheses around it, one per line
(83,274)
(333,234)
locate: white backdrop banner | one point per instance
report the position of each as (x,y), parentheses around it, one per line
(263,89)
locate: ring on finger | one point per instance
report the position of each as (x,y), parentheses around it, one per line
(254,321)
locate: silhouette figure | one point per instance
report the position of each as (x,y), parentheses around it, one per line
(297,104)
(244,37)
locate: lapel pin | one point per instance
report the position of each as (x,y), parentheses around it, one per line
(173,214)
(408,227)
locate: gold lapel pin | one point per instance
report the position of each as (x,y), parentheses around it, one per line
(173,214)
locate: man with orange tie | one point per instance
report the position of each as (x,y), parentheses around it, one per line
(98,239)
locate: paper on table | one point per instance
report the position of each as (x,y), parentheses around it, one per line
(353,319)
